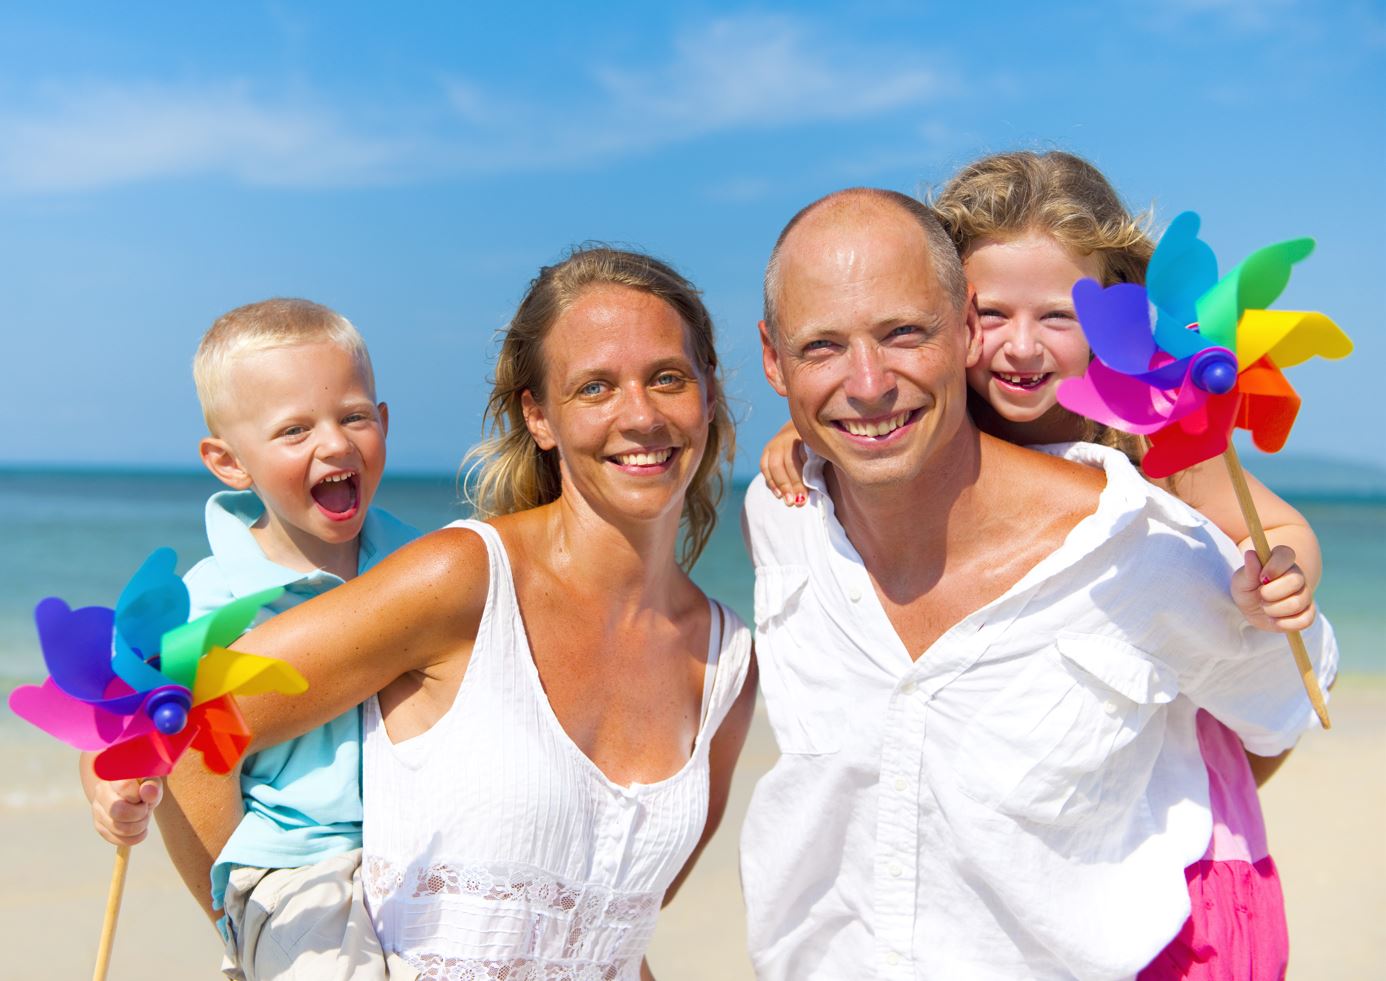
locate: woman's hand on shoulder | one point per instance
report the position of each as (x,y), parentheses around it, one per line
(1275,596)
(782,464)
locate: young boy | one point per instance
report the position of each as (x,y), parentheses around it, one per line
(288,393)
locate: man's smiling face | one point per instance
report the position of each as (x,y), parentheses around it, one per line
(868,347)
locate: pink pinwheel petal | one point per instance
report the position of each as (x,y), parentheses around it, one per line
(75,722)
(1126,403)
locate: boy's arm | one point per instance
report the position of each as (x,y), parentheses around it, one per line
(196,819)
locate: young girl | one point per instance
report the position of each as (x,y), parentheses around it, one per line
(1027,227)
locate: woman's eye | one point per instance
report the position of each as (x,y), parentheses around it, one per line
(668,379)
(591,389)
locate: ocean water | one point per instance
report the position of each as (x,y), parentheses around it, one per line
(80,535)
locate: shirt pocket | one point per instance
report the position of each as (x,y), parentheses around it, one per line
(799,670)
(1074,735)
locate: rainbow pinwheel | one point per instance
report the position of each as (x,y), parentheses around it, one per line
(141,684)
(1211,362)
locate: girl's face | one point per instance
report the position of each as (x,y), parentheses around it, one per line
(1030,335)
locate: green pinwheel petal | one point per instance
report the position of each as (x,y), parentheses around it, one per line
(1253,285)
(184,646)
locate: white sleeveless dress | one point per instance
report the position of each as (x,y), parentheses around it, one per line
(494,849)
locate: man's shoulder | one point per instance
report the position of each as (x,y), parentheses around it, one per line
(775,533)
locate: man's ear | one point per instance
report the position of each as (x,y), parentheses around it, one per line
(218,457)
(770,360)
(973,325)
(384,410)
(535,421)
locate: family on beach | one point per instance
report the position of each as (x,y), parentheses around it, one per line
(1022,695)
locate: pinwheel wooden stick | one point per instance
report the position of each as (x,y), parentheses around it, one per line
(1258,539)
(1209,364)
(142,685)
(108,922)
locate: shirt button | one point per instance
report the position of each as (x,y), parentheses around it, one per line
(900,784)
(854,594)
(896,870)
(1111,708)
(892,958)
(907,688)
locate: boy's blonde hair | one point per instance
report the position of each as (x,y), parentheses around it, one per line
(280,322)
(507,472)
(1005,195)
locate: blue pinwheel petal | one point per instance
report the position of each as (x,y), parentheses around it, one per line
(76,647)
(1182,269)
(153,602)
(1116,321)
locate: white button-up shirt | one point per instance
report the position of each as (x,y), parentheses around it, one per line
(1020,801)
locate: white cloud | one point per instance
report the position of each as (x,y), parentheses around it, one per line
(93,135)
(733,74)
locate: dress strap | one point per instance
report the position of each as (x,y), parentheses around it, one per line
(716,628)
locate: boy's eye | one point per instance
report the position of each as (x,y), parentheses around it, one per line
(294,431)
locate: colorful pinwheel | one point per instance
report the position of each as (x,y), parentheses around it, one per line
(141,684)
(1211,363)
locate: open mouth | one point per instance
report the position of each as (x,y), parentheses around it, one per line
(877,429)
(1022,382)
(645,461)
(337,495)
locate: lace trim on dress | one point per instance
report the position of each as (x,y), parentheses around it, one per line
(432,967)
(583,909)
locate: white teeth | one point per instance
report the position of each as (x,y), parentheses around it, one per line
(643,459)
(1019,379)
(336,479)
(879,428)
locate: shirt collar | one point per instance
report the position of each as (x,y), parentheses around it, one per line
(230,515)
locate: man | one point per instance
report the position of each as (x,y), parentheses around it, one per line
(984,707)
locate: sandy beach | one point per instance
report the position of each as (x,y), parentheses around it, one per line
(1324,813)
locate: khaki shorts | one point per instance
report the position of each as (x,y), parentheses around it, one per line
(305,924)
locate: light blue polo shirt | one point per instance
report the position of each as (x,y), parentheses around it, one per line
(303,797)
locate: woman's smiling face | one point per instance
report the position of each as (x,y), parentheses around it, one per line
(1030,334)
(624,403)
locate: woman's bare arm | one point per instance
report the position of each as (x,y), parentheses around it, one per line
(416,612)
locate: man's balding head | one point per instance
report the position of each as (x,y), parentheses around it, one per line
(864,205)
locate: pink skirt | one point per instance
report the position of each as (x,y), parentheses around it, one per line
(1236,930)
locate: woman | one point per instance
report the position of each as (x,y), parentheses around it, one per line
(540,766)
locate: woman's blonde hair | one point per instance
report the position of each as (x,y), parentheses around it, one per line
(507,471)
(1005,195)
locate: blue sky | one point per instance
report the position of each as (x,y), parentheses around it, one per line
(412,166)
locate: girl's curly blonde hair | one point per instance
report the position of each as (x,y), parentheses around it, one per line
(1005,195)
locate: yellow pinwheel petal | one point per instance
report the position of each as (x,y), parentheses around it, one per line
(224,671)
(1288,337)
